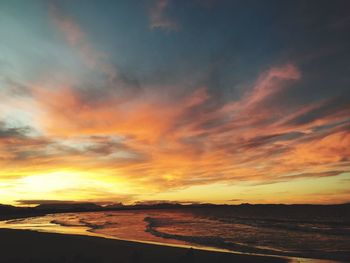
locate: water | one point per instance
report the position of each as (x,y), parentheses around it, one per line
(317,238)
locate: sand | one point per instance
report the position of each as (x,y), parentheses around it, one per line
(30,246)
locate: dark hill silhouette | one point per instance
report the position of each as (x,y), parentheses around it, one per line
(7,207)
(299,211)
(69,207)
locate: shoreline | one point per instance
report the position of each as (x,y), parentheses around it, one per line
(87,232)
(37,246)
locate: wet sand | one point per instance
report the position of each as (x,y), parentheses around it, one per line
(30,246)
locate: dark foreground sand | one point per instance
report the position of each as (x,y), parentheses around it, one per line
(29,246)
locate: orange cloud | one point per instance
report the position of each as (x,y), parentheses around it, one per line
(185,142)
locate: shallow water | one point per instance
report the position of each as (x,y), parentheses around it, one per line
(284,237)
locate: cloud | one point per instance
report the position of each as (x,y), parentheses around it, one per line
(158,142)
(41,202)
(258,141)
(269,84)
(323,174)
(12,132)
(159,19)
(236,200)
(18,144)
(123,198)
(115,83)
(174,202)
(77,39)
(12,87)
(188,141)
(336,108)
(19,147)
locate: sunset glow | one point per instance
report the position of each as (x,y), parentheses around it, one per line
(132,105)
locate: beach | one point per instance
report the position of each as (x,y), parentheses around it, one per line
(166,235)
(30,246)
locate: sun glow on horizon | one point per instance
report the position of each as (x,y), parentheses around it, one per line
(49,182)
(67,185)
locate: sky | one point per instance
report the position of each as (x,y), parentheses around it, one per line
(172,100)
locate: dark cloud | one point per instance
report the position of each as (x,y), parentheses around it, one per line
(339,106)
(235,200)
(342,124)
(269,139)
(287,178)
(316,175)
(55,202)
(15,88)
(105,148)
(156,202)
(19,145)
(41,202)
(13,132)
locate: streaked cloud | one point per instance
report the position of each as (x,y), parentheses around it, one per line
(78,40)
(185,144)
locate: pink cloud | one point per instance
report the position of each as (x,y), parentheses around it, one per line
(77,39)
(270,83)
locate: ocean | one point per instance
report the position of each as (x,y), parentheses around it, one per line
(301,235)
